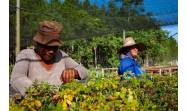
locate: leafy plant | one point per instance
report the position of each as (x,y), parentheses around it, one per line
(103,92)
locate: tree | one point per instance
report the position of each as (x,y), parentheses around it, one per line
(94,10)
(112,8)
(130,7)
(86,4)
(103,10)
(103,32)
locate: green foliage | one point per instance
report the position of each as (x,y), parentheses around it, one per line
(106,50)
(103,92)
(104,29)
(160,48)
(80,19)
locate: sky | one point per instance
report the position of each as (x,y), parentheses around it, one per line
(172,29)
(166,11)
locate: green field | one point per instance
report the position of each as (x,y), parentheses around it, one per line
(103,92)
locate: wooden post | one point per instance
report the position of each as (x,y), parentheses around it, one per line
(72,48)
(170,71)
(95,53)
(103,71)
(123,35)
(160,71)
(18,27)
(147,60)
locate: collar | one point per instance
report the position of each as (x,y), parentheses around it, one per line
(129,55)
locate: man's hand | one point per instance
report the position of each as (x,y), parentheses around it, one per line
(69,74)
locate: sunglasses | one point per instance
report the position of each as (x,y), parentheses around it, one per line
(54,48)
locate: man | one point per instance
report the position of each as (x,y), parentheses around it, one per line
(46,62)
(128,62)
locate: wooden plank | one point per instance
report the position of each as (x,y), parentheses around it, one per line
(154,70)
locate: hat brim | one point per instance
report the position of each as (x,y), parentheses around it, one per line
(42,40)
(140,46)
(55,42)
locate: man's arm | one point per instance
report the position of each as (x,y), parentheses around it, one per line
(71,65)
(19,80)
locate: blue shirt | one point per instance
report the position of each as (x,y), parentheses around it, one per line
(128,63)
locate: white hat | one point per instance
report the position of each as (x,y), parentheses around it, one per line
(129,42)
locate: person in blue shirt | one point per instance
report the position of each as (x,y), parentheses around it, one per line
(128,53)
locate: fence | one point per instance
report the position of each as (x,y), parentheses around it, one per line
(153,70)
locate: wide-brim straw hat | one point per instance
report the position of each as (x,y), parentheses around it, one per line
(130,42)
(49,34)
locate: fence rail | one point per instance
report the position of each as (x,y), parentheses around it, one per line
(153,70)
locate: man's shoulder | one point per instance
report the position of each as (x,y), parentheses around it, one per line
(63,54)
(29,50)
(26,52)
(127,59)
